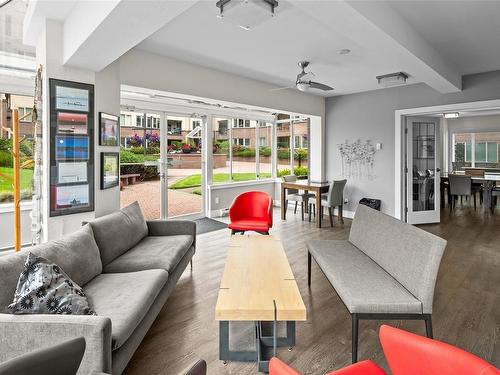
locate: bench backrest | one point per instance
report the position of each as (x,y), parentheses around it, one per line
(409,254)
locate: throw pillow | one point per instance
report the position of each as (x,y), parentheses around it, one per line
(44,288)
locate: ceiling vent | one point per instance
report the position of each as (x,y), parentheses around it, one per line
(246,13)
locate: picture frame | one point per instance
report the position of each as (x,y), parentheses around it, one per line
(109,129)
(110,169)
(71,147)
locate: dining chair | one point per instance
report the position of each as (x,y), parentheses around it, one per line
(460,185)
(333,198)
(495,193)
(477,187)
(296,196)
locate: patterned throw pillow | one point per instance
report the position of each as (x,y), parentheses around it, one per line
(44,288)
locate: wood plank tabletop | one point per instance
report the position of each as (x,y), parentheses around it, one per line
(256,273)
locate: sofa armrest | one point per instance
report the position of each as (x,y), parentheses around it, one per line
(21,334)
(172,228)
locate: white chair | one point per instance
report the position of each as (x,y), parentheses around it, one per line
(296,196)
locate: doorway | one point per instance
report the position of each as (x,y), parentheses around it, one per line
(161,162)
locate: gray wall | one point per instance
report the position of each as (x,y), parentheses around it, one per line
(370,115)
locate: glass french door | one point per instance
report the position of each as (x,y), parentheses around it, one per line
(423,162)
(162,159)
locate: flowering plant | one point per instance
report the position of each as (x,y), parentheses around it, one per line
(135,140)
(186,148)
(153,139)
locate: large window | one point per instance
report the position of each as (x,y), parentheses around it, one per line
(24,105)
(243,152)
(476,150)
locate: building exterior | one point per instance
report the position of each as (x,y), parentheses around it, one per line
(24,104)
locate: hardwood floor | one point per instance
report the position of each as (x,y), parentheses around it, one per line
(466,304)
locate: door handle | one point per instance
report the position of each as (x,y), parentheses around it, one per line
(438,169)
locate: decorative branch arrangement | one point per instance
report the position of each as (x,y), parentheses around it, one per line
(357,159)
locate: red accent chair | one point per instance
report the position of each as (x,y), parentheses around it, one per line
(251,211)
(277,367)
(410,354)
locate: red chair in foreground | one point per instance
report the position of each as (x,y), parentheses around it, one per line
(409,354)
(251,211)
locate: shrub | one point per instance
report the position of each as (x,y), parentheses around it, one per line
(284,153)
(300,171)
(284,172)
(136,150)
(153,150)
(127,156)
(5,158)
(265,151)
(176,145)
(245,152)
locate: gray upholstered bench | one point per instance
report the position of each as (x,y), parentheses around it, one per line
(386,270)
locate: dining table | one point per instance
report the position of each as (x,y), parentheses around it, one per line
(307,186)
(488,181)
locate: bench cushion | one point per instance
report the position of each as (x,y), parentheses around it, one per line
(362,284)
(410,254)
(125,298)
(119,231)
(153,252)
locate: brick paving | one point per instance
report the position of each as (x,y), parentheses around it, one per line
(147,193)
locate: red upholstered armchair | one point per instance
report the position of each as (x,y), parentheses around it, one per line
(251,211)
(409,354)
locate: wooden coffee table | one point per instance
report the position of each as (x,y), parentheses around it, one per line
(258,286)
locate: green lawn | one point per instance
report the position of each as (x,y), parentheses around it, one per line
(6,184)
(195,179)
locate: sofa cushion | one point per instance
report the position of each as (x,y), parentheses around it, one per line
(77,254)
(117,232)
(410,254)
(152,252)
(362,284)
(44,288)
(125,298)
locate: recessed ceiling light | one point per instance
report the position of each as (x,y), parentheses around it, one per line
(451,115)
(344,51)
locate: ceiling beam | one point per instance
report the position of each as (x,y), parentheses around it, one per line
(377,27)
(96,33)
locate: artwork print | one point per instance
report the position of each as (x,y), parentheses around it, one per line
(357,159)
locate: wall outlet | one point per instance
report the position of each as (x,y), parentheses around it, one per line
(216,200)
(346,200)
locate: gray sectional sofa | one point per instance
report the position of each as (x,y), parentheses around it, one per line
(386,270)
(127,266)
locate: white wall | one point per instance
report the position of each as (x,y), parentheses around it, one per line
(144,69)
(370,115)
(106,98)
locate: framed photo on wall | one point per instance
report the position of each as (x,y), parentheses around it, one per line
(109,130)
(71,147)
(110,169)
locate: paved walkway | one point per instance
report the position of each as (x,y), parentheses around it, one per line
(147,193)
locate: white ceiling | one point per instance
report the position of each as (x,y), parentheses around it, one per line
(463,35)
(465,32)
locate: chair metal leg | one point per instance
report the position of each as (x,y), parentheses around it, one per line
(191,263)
(309,268)
(331,217)
(428,326)
(302,210)
(295,209)
(355,324)
(310,209)
(341,213)
(474,201)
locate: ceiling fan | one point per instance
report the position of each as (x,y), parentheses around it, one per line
(303,81)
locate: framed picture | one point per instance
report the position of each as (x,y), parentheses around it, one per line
(71,123)
(426,148)
(109,129)
(110,169)
(71,172)
(71,147)
(70,197)
(72,98)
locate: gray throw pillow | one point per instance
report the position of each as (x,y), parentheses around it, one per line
(44,288)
